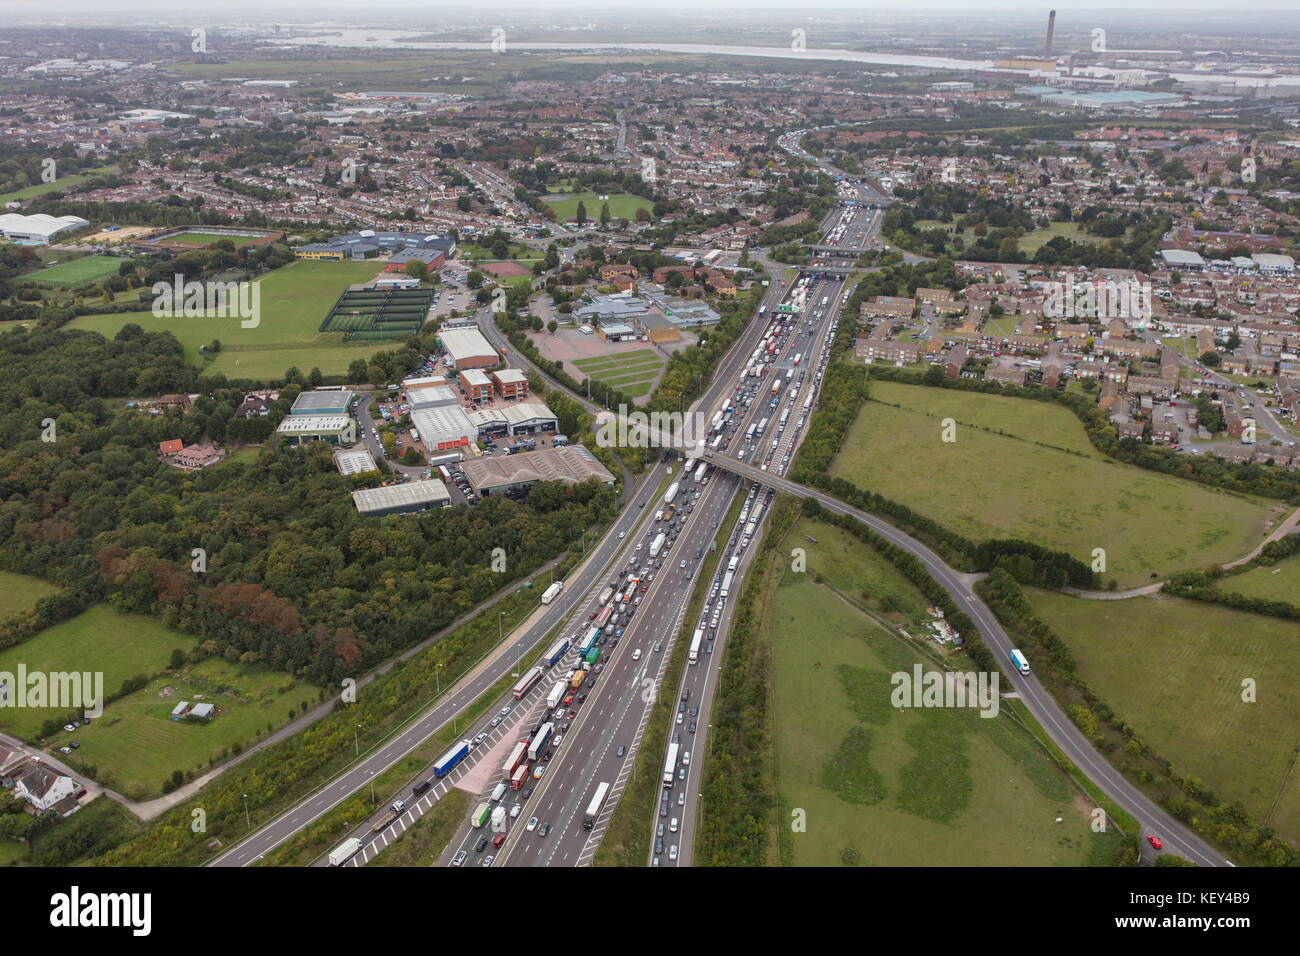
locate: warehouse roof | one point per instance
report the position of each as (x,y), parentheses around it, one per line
(309,403)
(527,412)
(570,464)
(462,343)
(442,421)
(411,495)
(303,424)
(354,462)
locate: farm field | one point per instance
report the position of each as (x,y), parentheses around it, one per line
(98,639)
(136,745)
(1280,582)
(987,485)
(294,300)
(621,205)
(20,592)
(1173,670)
(884,787)
(67,275)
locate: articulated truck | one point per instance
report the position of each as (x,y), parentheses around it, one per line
(657,545)
(344,851)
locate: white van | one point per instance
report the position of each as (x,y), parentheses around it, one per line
(499,792)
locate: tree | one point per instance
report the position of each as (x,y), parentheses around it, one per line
(463,204)
(604,215)
(1211,359)
(475,279)
(552,325)
(582,213)
(417,269)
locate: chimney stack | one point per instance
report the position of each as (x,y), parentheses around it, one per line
(1051,26)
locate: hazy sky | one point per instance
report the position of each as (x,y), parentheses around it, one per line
(609,9)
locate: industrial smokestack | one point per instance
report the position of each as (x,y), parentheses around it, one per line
(1051,26)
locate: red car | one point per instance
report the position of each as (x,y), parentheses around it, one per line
(1155,842)
(572,714)
(591,616)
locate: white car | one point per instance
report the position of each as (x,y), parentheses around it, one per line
(636,654)
(515,811)
(622,535)
(532,825)
(672,852)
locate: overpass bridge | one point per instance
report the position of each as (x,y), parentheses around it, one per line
(959,586)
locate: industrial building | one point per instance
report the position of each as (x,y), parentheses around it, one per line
(432,393)
(468,348)
(354,462)
(322,402)
(327,428)
(476,384)
(510,383)
(368,243)
(39,228)
(570,464)
(403,498)
(443,427)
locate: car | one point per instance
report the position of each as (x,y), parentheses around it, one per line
(672,852)
(532,825)
(496,844)
(621,750)
(69,727)
(681,799)
(663,809)
(672,827)
(459,858)
(572,714)
(482,845)
(546,828)
(681,773)
(1155,842)
(680,717)
(495,721)
(636,654)
(515,811)
(660,831)
(74,745)
(658,647)
(537,774)
(659,845)
(487,860)
(695,710)
(504,711)
(591,616)
(65,750)
(622,535)
(691,728)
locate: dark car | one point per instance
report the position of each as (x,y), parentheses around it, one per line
(528,793)
(621,750)
(546,828)
(482,845)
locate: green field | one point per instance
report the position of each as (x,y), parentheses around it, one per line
(918,787)
(516,251)
(1278,582)
(1173,670)
(208,238)
(63,182)
(97,640)
(1031,242)
(78,272)
(20,592)
(987,485)
(621,205)
(1003,326)
(633,372)
(294,300)
(136,745)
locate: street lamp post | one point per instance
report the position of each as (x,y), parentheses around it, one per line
(709,731)
(247,819)
(356,743)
